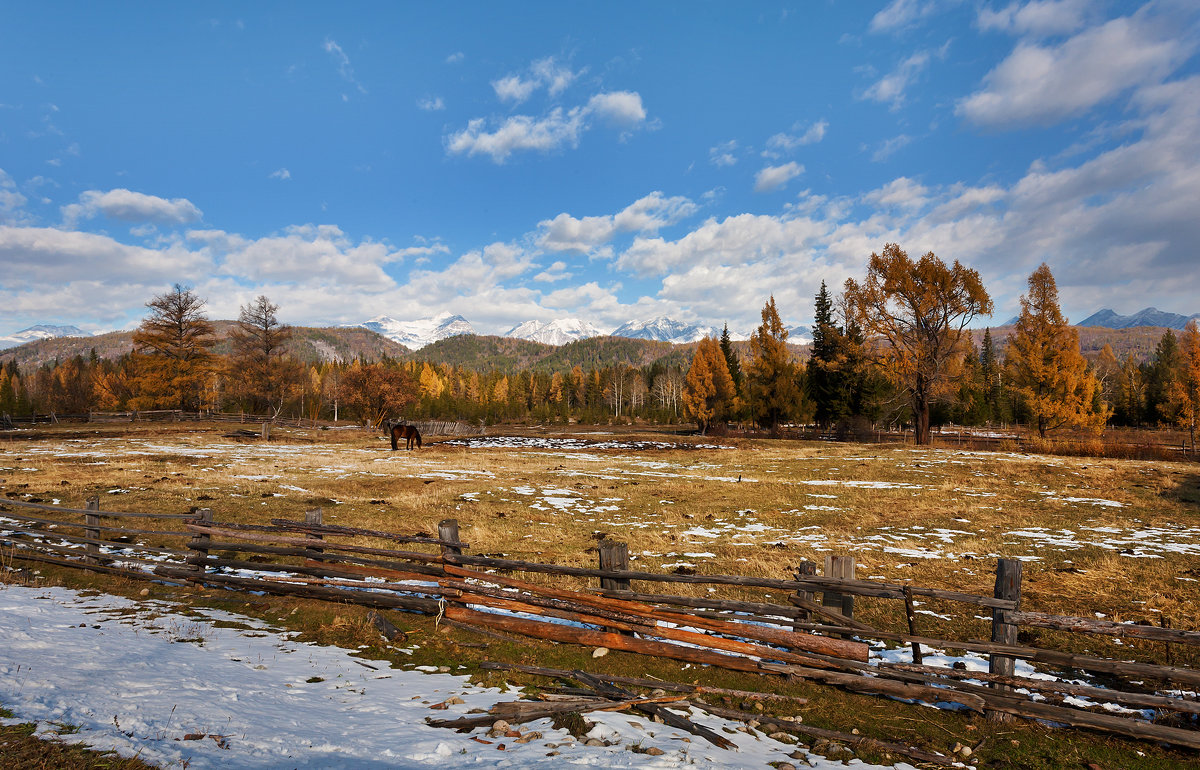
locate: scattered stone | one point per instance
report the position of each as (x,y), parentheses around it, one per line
(654,751)
(599,652)
(144,592)
(785,766)
(593,742)
(783,737)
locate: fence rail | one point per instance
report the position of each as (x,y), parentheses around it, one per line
(819,641)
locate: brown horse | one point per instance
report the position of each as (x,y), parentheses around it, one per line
(407,432)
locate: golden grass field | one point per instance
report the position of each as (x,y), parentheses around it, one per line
(1115,537)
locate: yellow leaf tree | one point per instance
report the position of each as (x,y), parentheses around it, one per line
(708,388)
(1047,371)
(1188,383)
(173,352)
(915,315)
(772,378)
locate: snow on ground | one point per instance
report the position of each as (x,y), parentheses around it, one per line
(140,678)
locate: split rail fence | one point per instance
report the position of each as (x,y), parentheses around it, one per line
(814,636)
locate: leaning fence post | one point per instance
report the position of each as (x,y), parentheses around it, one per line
(200,543)
(614,556)
(839,567)
(1008,586)
(92,520)
(266,431)
(448,531)
(313,518)
(911,615)
(803,570)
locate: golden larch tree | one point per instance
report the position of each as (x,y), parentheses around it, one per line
(1188,383)
(708,388)
(772,378)
(1046,368)
(915,316)
(173,352)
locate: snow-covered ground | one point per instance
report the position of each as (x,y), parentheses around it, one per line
(176,690)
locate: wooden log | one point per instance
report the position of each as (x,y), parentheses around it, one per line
(335,529)
(92,520)
(614,556)
(80,564)
(770,724)
(448,532)
(324,574)
(704,641)
(1008,586)
(1101,694)
(1132,728)
(227,531)
(1104,627)
(651,684)
(525,711)
(856,587)
(839,567)
(874,685)
(42,535)
(911,615)
(106,514)
(668,717)
(362,598)
(806,642)
(95,525)
(22,543)
(200,542)
(386,628)
(804,569)
(593,638)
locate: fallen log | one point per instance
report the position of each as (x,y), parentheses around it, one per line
(877,685)
(1145,700)
(668,717)
(593,638)
(335,529)
(363,598)
(1104,627)
(203,529)
(807,642)
(779,725)
(519,712)
(652,684)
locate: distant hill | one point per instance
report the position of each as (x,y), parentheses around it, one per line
(512,354)
(308,344)
(1149,316)
(483,352)
(41,332)
(1138,341)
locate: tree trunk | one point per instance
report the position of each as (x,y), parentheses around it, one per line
(921,434)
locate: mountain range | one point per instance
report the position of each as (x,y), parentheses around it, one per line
(41,332)
(1149,316)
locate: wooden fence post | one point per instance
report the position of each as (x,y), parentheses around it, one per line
(266,431)
(200,543)
(313,518)
(614,556)
(804,569)
(839,567)
(911,615)
(1008,586)
(448,530)
(91,519)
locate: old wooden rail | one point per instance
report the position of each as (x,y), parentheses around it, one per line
(813,636)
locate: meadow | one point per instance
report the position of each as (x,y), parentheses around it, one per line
(1117,539)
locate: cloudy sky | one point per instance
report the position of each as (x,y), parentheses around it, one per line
(604,161)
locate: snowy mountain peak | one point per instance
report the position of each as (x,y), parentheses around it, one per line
(421,332)
(41,332)
(669,330)
(557,332)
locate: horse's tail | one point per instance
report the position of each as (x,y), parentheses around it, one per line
(417,433)
(395,435)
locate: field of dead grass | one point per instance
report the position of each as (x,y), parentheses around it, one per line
(1117,538)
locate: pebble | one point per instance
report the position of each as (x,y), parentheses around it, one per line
(144,592)
(654,751)
(599,652)
(593,742)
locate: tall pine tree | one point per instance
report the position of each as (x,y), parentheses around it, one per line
(773,379)
(823,374)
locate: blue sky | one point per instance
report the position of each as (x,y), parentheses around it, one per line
(604,161)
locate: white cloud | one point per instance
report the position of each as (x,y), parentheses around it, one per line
(431,104)
(130,206)
(783,142)
(902,192)
(1040,18)
(647,214)
(342,62)
(556,130)
(724,154)
(889,146)
(899,14)
(455,57)
(890,88)
(1044,84)
(555,273)
(280,174)
(11,201)
(772,178)
(547,73)
(39,255)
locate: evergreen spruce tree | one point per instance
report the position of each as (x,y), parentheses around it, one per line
(731,359)
(822,381)
(1162,378)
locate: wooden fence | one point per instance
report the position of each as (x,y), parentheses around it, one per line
(806,638)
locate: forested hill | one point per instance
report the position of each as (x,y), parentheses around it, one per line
(308,344)
(1138,341)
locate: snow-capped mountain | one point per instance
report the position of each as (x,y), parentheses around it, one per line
(557,332)
(669,330)
(419,333)
(41,332)
(1150,316)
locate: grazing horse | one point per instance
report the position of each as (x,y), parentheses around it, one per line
(407,432)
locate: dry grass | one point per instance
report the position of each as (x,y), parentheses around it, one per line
(1118,537)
